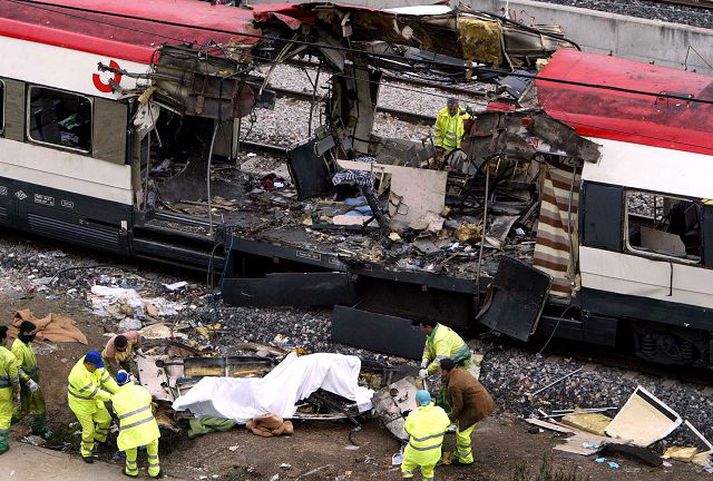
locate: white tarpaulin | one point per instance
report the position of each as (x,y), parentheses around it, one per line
(294,379)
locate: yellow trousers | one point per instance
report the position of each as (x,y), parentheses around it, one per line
(132,467)
(32,403)
(409,466)
(464,450)
(95,421)
(5,417)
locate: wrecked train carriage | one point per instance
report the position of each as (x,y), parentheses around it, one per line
(96,100)
(623,238)
(95,158)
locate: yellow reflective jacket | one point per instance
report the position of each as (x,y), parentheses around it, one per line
(27,359)
(137,425)
(448,131)
(443,342)
(426,426)
(8,369)
(89,387)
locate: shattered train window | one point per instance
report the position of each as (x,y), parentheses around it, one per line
(663,225)
(60,118)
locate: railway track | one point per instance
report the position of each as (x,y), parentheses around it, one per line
(707,4)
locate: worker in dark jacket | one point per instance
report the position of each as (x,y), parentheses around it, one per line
(470,403)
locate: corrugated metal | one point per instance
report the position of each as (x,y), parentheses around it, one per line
(94,236)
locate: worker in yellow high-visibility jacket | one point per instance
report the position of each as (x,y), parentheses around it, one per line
(426,426)
(137,425)
(89,387)
(31,399)
(448,130)
(441,343)
(9,389)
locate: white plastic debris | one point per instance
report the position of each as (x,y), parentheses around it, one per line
(176,286)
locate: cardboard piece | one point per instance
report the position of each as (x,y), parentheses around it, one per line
(643,420)
(548,425)
(414,192)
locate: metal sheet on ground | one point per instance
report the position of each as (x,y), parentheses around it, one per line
(377,332)
(291,289)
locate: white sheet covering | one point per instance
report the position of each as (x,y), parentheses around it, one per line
(295,378)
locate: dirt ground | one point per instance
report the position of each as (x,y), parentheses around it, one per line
(502,445)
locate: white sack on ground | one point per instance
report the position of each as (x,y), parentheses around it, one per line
(295,378)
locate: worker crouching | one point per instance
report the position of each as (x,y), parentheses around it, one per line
(137,425)
(90,387)
(426,426)
(469,404)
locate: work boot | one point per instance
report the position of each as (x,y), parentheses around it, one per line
(159,475)
(129,475)
(5,448)
(88,459)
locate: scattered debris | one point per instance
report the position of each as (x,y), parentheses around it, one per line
(644,419)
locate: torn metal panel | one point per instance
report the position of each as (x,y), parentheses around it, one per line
(515,299)
(525,134)
(377,332)
(291,289)
(309,170)
(393,403)
(196,83)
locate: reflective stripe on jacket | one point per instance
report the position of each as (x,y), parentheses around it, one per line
(448,131)
(443,342)
(85,386)
(27,359)
(8,369)
(426,426)
(137,425)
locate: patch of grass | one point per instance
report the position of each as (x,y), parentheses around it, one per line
(547,472)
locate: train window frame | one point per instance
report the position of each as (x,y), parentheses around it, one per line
(3,106)
(28,121)
(652,254)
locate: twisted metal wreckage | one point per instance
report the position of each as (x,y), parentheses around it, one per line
(491,236)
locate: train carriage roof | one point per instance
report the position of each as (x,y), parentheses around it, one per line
(630,117)
(130,29)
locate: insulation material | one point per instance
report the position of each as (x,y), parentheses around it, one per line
(480,40)
(595,423)
(681,453)
(294,379)
(644,419)
(557,229)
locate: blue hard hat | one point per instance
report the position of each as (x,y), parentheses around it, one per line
(93,357)
(122,377)
(423,397)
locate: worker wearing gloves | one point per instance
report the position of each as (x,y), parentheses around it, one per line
(426,425)
(31,399)
(90,386)
(449,129)
(470,403)
(9,389)
(119,349)
(441,342)
(137,425)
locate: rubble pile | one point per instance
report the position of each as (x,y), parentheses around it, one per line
(512,375)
